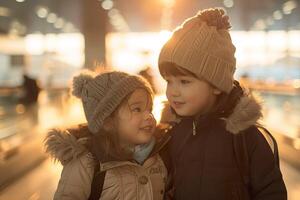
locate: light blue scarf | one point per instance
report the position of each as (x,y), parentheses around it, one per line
(141,152)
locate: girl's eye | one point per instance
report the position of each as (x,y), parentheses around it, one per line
(185,81)
(136,109)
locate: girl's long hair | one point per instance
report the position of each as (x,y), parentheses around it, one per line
(104,143)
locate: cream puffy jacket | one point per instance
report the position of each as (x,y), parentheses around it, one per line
(124,180)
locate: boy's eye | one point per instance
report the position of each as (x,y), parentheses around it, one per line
(185,81)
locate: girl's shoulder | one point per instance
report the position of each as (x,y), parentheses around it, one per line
(66,145)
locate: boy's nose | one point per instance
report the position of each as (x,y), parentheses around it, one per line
(174,92)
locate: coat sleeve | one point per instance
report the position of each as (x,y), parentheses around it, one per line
(76,179)
(266,180)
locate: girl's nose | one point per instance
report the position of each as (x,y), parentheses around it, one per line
(148,115)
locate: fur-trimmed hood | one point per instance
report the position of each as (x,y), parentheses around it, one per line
(246,113)
(66,145)
(63,146)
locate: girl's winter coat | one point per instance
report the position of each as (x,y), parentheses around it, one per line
(124,180)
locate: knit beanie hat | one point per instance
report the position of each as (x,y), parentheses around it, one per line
(102,94)
(203,46)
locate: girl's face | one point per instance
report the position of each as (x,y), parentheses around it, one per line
(136,123)
(189,96)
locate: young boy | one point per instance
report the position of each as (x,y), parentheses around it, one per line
(217,149)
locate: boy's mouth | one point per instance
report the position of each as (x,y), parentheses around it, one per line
(178,103)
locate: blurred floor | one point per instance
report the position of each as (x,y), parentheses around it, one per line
(40,183)
(292,180)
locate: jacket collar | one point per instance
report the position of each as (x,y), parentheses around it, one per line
(246,113)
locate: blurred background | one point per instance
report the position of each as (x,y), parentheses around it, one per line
(43,43)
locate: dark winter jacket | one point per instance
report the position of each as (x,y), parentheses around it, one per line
(205,165)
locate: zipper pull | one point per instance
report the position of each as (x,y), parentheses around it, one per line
(194,129)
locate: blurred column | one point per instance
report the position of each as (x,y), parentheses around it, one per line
(94,28)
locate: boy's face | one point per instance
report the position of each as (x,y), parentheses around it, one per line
(136,123)
(190,96)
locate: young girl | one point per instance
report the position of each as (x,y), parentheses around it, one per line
(115,155)
(198,64)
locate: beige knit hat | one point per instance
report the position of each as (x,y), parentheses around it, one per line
(102,94)
(203,46)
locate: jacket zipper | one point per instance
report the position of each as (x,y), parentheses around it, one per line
(194,128)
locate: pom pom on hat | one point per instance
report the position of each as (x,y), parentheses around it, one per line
(79,83)
(215,17)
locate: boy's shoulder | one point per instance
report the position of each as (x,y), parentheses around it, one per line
(254,132)
(163,129)
(258,135)
(162,136)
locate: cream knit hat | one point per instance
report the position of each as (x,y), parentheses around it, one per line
(102,94)
(203,46)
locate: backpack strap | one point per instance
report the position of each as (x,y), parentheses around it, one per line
(97,183)
(166,158)
(272,142)
(268,138)
(242,157)
(169,185)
